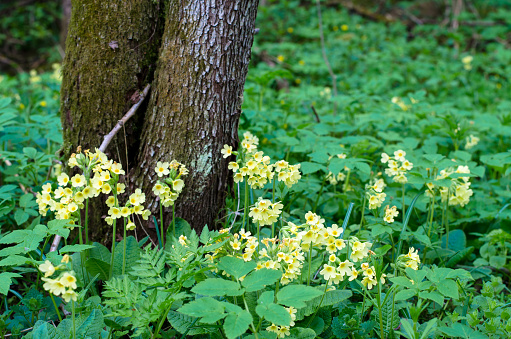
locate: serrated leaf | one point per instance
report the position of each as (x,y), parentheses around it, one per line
(6,281)
(236,324)
(14,260)
(217,287)
(302,333)
(235,266)
(296,295)
(259,279)
(449,288)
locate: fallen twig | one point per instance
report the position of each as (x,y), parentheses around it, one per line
(108,138)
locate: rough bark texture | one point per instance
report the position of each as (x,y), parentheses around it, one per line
(110,49)
(196,95)
(64,26)
(196,99)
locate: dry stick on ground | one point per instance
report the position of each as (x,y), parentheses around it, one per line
(107,139)
(325,57)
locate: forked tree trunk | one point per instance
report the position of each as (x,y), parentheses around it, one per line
(196,95)
(196,100)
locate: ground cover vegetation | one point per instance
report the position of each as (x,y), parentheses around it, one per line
(370,198)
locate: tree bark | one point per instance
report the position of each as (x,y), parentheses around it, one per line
(111,52)
(196,100)
(196,94)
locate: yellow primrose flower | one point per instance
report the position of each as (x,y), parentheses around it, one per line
(47,268)
(226,151)
(63,179)
(68,295)
(162,168)
(68,280)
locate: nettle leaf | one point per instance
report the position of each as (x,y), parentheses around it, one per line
(272,312)
(209,309)
(235,266)
(217,287)
(296,295)
(237,323)
(259,279)
(6,281)
(75,248)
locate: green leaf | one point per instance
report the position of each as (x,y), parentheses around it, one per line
(448,288)
(15,260)
(402,281)
(296,295)
(457,240)
(272,312)
(236,324)
(183,323)
(311,167)
(58,227)
(259,279)
(302,333)
(435,296)
(209,309)
(235,266)
(20,216)
(95,266)
(75,248)
(404,295)
(30,152)
(6,281)
(100,252)
(132,255)
(91,327)
(25,200)
(217,287)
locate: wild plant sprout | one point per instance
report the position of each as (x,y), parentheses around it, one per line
(169,188)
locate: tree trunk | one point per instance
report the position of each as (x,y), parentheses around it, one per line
(196,101)
(196,95)
(111,50)
(64,22)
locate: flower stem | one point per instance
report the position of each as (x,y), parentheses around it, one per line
(56,308)
(174,219)
(404,207)
(74,323)
(87,221)
(161,226)
(124,249)
(320,302)
(310,260)
(245,207)
(113,248)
